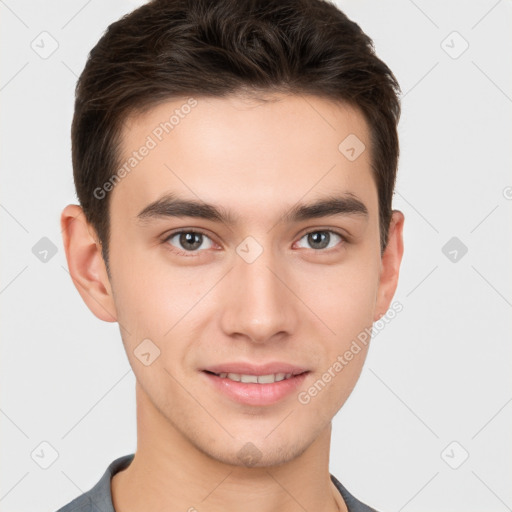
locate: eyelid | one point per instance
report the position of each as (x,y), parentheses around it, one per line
(185,230)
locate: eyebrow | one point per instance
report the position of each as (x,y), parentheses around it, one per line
(172,206)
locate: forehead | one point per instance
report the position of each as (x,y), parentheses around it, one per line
(244,154)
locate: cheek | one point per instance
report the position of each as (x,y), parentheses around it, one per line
(151,304)
(155,301)
(345,305)
(343,297)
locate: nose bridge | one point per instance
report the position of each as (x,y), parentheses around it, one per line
(259,304)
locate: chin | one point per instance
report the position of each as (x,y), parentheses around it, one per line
(257,451)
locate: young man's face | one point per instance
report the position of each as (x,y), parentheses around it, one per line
(254,288)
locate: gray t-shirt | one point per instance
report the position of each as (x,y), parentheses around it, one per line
(99,498)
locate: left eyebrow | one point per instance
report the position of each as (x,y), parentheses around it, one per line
(347,205)
(172,206)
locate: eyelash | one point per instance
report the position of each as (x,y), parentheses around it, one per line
(195,253)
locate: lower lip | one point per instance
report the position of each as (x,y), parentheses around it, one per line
(256,394)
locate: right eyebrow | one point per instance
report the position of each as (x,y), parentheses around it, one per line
(172,206)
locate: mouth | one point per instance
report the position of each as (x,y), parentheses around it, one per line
(257,386)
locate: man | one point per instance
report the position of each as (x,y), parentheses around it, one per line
(235,164)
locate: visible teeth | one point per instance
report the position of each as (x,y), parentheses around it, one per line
(268,379)
(256,379)
(248,378)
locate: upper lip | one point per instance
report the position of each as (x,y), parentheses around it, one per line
(253,369)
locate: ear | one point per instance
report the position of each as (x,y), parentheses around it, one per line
(390,265)
(86,264)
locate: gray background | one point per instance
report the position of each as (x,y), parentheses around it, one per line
(437,383)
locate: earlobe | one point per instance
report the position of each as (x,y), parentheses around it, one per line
(390,265)
(86,264)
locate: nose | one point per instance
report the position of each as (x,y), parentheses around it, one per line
(259,302)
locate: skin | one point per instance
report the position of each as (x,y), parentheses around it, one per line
(294,303)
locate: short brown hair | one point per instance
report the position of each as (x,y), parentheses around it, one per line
(173,48)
